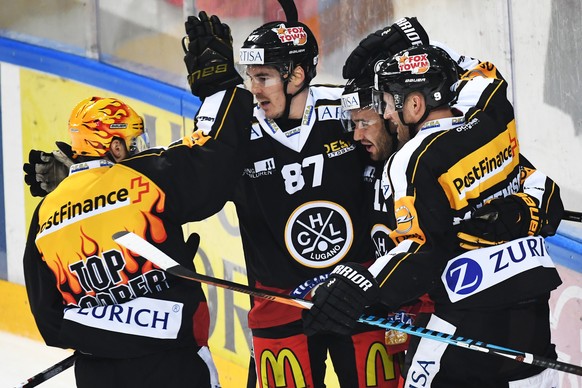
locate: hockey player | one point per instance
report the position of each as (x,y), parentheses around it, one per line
(377,137)
(452,164)
(491,224)
(300,213)
(130,324)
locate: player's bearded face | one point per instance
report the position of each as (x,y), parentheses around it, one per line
(370,131)
(266,85)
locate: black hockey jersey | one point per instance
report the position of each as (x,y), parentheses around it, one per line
(301,203)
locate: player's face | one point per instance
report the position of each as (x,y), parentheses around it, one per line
(391,114)
(265,83)
(372,134)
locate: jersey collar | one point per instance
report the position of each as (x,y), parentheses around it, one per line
(89,165)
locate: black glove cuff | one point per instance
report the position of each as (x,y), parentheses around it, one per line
(533,217)
(413,34)
(359,279)
(206,90)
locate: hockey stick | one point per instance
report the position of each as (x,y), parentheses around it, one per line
(49,372)
(148,251)
(479,346)
(568,216)
(572,216)
(138,245)
(290,10)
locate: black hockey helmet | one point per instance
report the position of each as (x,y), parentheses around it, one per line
(357,98)
(425,69)
(284,45)
(357,95)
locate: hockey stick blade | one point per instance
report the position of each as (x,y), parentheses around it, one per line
(148,251)
(49,372)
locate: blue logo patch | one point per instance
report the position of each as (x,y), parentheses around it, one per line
(464,276)
(305,288)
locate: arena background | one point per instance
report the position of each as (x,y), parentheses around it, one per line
(54,53)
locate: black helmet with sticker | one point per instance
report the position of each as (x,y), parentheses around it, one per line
(359,93)
(425,69)
(357,96)
(283,45)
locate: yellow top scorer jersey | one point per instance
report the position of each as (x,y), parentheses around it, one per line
(77,221)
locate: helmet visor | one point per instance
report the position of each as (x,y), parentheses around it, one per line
(264,76)
(361,118)
(139,143)
(354,107)
(383,102)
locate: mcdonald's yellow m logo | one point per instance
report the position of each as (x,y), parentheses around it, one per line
(379,350)
(278,364)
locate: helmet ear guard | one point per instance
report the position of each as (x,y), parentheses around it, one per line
(96,121)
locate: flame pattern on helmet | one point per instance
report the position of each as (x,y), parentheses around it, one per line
(96,121)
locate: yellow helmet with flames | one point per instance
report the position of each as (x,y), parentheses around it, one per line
(96,121)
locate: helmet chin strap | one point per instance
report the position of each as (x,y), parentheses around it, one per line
(289,96)
(413,127)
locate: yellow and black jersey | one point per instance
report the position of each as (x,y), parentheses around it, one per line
(451,167)
(474,95)
(88,293)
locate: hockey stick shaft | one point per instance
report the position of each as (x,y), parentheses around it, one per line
(49,372)
(568,215)
(138,245)
(471,344)
(290,10)
(148,251)
(572,216)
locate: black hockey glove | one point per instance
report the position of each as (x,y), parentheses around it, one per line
(44,171)
(501,220)
(401,35)
(209,55)
(341,300)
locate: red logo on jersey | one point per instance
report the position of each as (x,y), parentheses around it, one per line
(144,187)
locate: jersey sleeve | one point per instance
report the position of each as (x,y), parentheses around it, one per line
(422,235)
(464,62)
(547,194)
(46,302)
(207,164)
(480,89)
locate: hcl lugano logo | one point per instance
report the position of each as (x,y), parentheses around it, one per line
(464,276)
